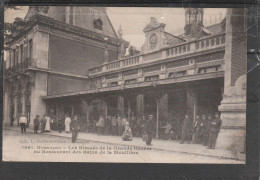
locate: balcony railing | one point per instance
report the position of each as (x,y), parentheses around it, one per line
(187,48)
(20,67)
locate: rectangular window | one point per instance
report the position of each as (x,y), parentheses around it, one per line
(21,53)
(30,49)
(14,59)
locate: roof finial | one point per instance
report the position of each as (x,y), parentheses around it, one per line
(120,31)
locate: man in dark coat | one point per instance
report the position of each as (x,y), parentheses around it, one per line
(75,127)
(214,130)
(196,129)
(60,122)
(149,129)
(43,123)
(203,130)
(139,126)
(186,129)
(36,123)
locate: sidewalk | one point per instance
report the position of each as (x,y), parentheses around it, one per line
(158,144)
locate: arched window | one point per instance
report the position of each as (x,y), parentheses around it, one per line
(184,48)
(217,41)
(212,42)
(180,49)
(202,44)
(207,43)
(167,52)
(188,47)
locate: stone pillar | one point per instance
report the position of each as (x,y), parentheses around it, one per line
(40,49)
(157,118)
(15,110)
(105,109)
(24,100)
(121,105)
(8,59)
(163,107)
(233,105)
(11,57)
(128,109)
(140,104)
(39,89)
(6,119)
(191,103)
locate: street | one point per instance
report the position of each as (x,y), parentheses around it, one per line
(47,148)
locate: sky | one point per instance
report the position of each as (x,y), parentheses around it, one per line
(134,19)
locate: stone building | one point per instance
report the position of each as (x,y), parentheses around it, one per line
(74,65)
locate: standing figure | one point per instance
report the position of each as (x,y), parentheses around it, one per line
(107,125)
(132,124)
(75,127)
(127,134)
(179,127)
(53,122)
(143,121)
(60,123)
(124,120)
(196,129)
(209,121)
(43,123)
(36,123)
(186,129)
(114,125)
(139,127)
(167,132)
(67,123)
(119,125)
(12,116)
(101,125)
(23,123)
(149,129)
(48,125)
(214,130)
(203,130)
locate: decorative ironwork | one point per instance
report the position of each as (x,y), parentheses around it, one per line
(112,76)
(152,68)
(178,63)
(130,72)
(210,57)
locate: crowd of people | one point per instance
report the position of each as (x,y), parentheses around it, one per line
(204,130)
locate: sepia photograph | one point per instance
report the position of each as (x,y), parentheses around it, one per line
(124,84)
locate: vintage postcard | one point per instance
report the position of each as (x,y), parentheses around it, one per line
(125,84)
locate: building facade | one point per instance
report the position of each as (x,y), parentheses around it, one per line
(72,65)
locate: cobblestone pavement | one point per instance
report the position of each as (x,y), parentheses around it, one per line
(32,147)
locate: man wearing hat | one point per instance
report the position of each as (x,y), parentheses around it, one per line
(36,123)
(119,125)
(186,129)
(209,121)
(196,129)
(214,130)
(149,128)
(75,126)
(203,130)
